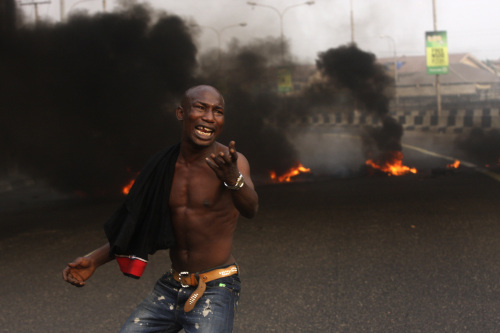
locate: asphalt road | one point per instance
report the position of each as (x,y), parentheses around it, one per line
(416,253)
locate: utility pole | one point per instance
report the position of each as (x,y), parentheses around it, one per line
(438,85)
(352,24)
(61,9)
(35,3)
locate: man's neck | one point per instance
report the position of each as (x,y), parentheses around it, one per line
(192,154)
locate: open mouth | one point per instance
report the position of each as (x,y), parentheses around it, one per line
(204,132)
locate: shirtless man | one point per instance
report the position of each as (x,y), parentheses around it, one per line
(211,186)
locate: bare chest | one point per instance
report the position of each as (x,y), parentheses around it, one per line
(195,187)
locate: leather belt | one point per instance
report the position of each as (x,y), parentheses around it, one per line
(200,280)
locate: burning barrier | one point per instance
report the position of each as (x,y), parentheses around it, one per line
(453,165)
(287,176)
(392,166)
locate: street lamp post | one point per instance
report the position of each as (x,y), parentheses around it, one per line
(395,67)
(281,14)
(219,33)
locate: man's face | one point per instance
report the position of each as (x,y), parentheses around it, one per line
(202,113)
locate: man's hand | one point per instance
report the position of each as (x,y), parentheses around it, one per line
(228,166)
(225,164)
(79,271)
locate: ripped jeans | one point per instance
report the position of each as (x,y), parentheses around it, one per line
(163,309)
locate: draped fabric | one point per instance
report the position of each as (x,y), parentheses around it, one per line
(142,225)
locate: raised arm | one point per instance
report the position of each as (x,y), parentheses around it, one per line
(228,167)
(82,268)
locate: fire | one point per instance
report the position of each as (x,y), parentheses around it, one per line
(394,166)
(292,172)
(453,165)
(126,188)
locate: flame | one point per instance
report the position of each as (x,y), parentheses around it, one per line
(126,188)
(393,167)
(453,165)
(292,172)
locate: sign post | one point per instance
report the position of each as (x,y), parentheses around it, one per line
(436,49)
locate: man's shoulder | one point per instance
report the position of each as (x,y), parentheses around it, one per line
(220,147)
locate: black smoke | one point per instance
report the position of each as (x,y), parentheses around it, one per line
(85,103)
(8,17)
(351,68)
(381,142)
(481,146)
(247,77)
(356,73)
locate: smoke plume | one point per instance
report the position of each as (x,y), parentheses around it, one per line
(483,147)
(84,103)
(356,72)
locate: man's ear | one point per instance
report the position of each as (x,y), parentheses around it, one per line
(179,112)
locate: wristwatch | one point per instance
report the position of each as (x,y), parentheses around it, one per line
(239,183)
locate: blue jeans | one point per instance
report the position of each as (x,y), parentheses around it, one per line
(163,309)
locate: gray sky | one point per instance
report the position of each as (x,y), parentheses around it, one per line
(473,26)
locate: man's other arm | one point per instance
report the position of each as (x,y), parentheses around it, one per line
(82,268)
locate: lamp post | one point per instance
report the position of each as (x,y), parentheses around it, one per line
(395,67)
(281,14)
(219,33)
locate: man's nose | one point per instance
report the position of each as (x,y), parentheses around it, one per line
(209,115)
